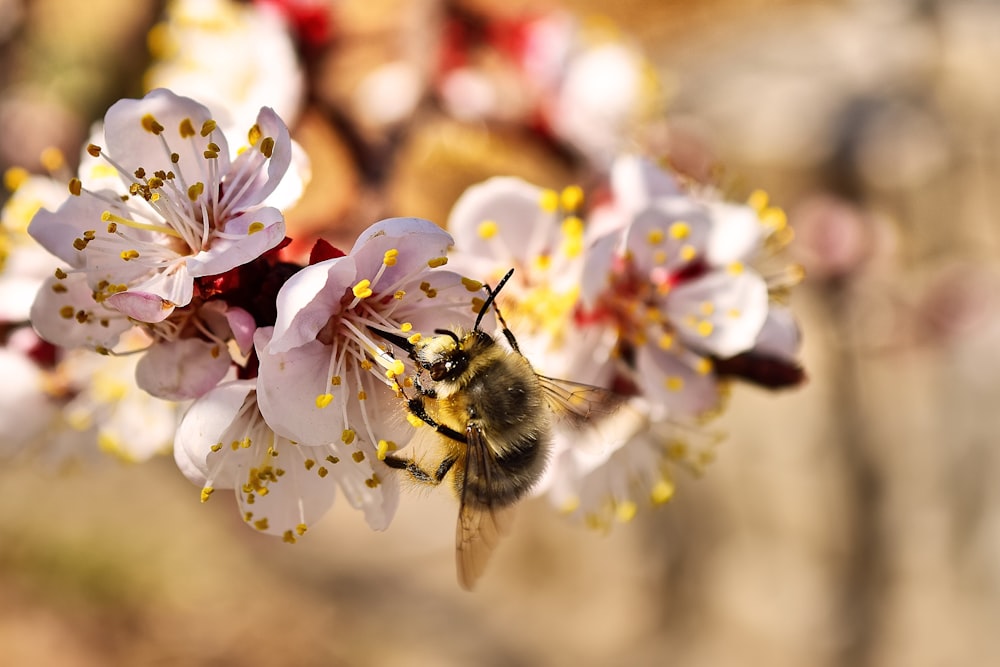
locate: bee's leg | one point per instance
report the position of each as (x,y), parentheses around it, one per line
(418,473)
(416,407)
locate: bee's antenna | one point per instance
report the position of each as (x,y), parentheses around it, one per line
(491,298)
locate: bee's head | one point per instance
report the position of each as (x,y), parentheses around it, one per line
(446,356)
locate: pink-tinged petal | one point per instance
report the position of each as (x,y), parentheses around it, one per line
(243,326)
(202,428)
(294,501)
(294,182)
(736,236)
(253,175)
(57,230)
(674,383)
(65,314)
(780,336)
(369,487)
(182,369)
(247,237)
(453,305)
(416,240)
(502,219)
(307,301)
(288,386)
(637,181)
(141,306)
(599,263)
(131,145)
(666,236)
(720,313)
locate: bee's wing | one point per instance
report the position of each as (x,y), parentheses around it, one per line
(480,524)
(579,403)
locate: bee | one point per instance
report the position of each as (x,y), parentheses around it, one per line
(492,415)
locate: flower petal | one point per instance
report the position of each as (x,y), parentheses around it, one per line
(721,312)
(247,236)
(307,301)
(65,313)
(256,172)
(131,144)
(182,369)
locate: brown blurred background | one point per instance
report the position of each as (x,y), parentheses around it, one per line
(853,522)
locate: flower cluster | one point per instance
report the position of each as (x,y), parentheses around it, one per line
(657,294)
(273,375)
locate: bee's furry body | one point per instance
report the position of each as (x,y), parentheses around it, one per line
(492,417)
(499,396)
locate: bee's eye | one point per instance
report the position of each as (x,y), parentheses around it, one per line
(445,369)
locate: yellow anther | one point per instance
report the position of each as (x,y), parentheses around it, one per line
(255,227)
(335,380)
(688,252)
(363,289)
(150,124)
(706,308)
(572,226)
(347,437)
(543,262)
(626,510)
(703,366)
(15,177)
(261,524)
(705,328)
(186,129)
(414,338)
(774,218)
(734,313)
(366,365)
(395,370)
(674,383)
(437,261)
(75,187)
(94,150)
(570,505)
(358,456)
(487,229)
(254,135)
(571,197)
(758,200)
(208,127)
(665,342)
(362,395)
(415,421)
(206,493)
(735,268)
(126,255)
(301,529)
(680,230)
(548,200)
(288,536)
(322,471)
(52,159)
(382,450)
(405,327)
(323,400)
(662,492)
(196,190)
(472,285)
(655,236)
(390,257)
(331,458)
(398,296)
